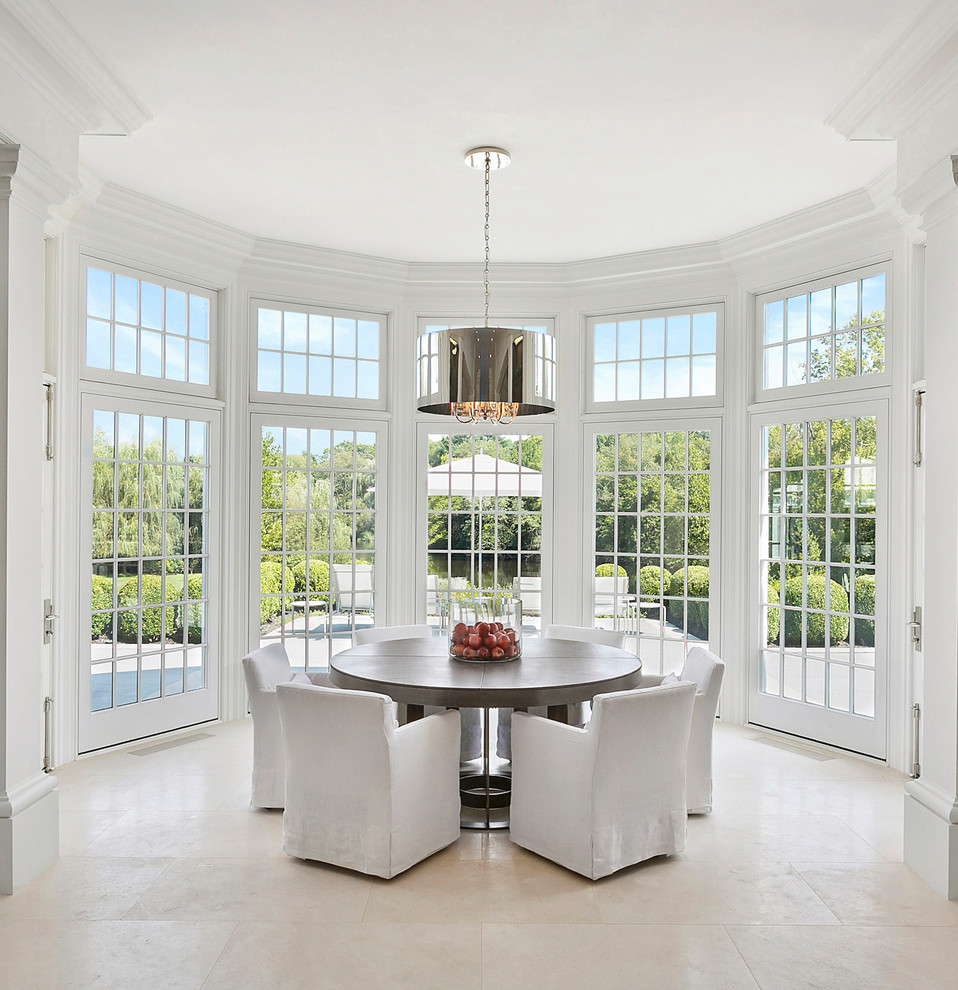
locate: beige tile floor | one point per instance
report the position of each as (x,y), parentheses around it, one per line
(167,879)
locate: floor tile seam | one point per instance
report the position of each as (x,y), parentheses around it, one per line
(815,893)
(171,860)
(219,956)
(741,955)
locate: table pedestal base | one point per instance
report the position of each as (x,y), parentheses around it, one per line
(485,792)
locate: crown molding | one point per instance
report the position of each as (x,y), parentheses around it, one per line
(31,180)
(43,49)
(269,258)
(166,237)
(906,81)
(934,195)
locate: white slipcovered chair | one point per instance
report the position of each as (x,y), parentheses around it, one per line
(578,711)
(363,792)
(705,670)
(264,669)
(470,718)
(612,794)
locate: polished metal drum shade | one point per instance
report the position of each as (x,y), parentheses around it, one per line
(486,373)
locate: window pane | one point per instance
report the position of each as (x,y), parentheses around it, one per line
(703,333)
(98,350)
(605,339)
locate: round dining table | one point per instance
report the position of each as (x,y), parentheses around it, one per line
(550,672)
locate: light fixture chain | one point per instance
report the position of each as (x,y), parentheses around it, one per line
(485,278)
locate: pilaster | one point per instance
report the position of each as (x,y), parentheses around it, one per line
(28,797)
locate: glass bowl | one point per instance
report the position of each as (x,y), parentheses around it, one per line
(485,626)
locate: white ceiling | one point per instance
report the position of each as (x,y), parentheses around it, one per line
(633,124)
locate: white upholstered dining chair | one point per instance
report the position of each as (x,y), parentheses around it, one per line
(470,718)
(363,792)
(579,710)
(705,670)
(600,798)
(264,669)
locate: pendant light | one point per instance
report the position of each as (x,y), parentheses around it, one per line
(486,374)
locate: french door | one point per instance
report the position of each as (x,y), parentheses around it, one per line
(488,513)
(820,667)
(317,549)
(149,474)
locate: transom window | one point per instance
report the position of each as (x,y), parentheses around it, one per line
(825,331)
(145,326)
(307,351)
(665,354)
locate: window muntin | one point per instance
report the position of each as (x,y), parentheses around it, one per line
(652,503)
(149,557)
(145,326)
(824,332)
(662,355)
(317,516)
(819,562)
(484,520)
(315,352)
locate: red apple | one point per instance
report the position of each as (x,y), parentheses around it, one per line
(491,640)
(502,641)
(475,641)
(468,653)
(497,653)
(482,628)
(483,652)
(458,648)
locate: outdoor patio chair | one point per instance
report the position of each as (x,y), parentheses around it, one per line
(362,792)
(705,670)
(352,587)
(597,799)
(264,669)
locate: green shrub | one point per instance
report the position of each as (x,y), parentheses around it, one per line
(774,616)
(150,592)
(815,622)
(194,591)
(692,581)
(610,570)
(653,581)
(101,596)
(318,579)
(865,605)
(270,583)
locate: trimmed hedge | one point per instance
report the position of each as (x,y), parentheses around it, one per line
(865,605)
(270,583)
(654,581)
(696,580)
(814,621)
(101,597)
(610,570)
(318,579)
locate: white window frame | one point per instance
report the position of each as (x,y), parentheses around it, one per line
(661,424)
(861,734)
(187,389)
(614,407)
(289,419)
(832,386)
(531,425)
(300,399)
(144,718)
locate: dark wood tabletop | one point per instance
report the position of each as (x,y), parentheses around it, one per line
(549,672)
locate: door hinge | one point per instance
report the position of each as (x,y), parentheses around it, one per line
(49,618)
(915,626)
(916,714)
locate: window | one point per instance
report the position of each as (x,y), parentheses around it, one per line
(661,355)
(140,326)
(824,332)
(150,558)
(652,549)
(323,353)
(317,538)
(484,522)
(819,564)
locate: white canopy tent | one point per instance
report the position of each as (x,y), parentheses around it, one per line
(483,475)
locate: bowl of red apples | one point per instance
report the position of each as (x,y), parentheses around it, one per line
(485,627)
